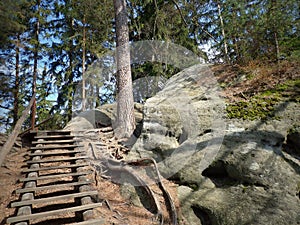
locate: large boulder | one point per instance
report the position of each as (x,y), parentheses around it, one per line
(179,119)
(102,116)
(228,171)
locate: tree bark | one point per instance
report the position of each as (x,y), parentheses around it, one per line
(223,33)
(125,104)
(35,64)
(16,88)
(13,136)
(83,66)
(70,72)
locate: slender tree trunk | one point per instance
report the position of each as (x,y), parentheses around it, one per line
(83,66)
(17,84)
(276,45)
(125,106)
(35,64)
(70,77)
(223,33)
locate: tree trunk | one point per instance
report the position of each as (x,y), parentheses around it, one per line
(83,66)
(14,134)
(16,88)
(223,33)
(35,64)
(125,105)
(70,77)
(277,46)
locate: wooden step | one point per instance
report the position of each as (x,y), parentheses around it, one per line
(52,213)
(49,187)
(53,136)
(55,198)
(55,147)
(57,160)
(99,221)
(55,141)
(48,177)
(49,153)
(50,131)
(54,167)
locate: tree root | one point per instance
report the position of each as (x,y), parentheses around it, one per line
(109,162)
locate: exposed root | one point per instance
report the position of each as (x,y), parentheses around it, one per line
(108,159)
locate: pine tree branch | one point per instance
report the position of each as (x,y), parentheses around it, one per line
(4,107)
(180,12)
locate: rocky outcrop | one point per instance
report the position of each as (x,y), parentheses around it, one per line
(101,117)
(231,172)
(292,145)
(228,171)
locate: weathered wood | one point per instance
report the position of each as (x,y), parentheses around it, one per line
(52,213)
(13,136)
(53,136)
(55,147)
(54,167)
(50,199)
(54,141)
(29,129)
(90,222)
(48,177)
(57,153)
(58,186)
(50,131)
(57,160)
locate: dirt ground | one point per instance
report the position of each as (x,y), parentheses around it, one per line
(9,175)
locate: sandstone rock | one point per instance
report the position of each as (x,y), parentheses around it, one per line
(179,117)
(293,141)
(101,117)
(233,171)
(238,204)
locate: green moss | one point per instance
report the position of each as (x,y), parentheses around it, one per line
(262,105)
(256,108)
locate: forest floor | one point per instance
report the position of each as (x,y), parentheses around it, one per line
(252,91)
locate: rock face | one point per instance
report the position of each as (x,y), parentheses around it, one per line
(101,117)
(228,171)
(293,141)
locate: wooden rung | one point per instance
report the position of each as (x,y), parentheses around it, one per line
(53,136)
(54,167)
(90,222)
(56,160)
(56,147)
(55,198)
(48,153)
(54,141)
(52,213)
(50,131)
(49,187)
(55,176)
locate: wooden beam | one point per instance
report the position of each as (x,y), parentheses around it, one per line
(52,213)
(13,136)
(55,198)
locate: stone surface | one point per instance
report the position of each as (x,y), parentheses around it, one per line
(293,141)
(229,171)
(101,117)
